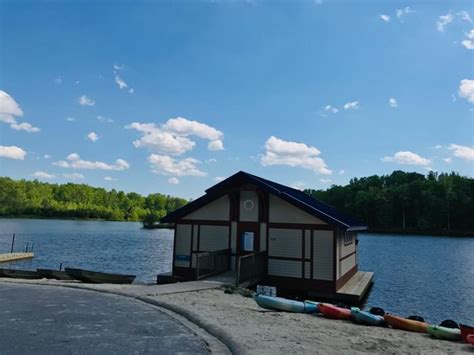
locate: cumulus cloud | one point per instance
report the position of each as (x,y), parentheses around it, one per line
(329,108)
(74,161)
(463,152)
(393,102)
(24,126)
(406,158)
(354,105)
(444,20)
(92,136)
(173,136)
(469,43)
(85,101)
(165,165)
(74,176)
(294,154)
(10,111)
(43,175)
(12,152)
(173,181)
(385,18)
(466,90)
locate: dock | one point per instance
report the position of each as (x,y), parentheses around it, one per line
(356,288)
(15,256)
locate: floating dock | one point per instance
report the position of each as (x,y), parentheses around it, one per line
(356,288)
(15,256)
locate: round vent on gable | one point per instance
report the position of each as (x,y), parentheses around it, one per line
(249,205)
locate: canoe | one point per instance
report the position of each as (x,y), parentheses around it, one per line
(315,303)
(89,276)
(405,324)
(334,312)
(465,331)
(470,339)
(367,318)
(283,304)
(54,274)
(444,333)
(20,274)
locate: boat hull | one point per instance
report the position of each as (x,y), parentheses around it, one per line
(405,324)
(89,276)
(444,333)
(367,318)
(334,312)
(466,330)
(54,274)
(286,305)
(470,339)
(20,274)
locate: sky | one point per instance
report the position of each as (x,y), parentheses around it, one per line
(174,96)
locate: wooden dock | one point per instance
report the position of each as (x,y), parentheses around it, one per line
(355,289)
(15,256)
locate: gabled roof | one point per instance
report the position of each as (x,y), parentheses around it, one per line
(293,196)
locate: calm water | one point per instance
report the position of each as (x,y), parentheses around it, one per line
(428,276)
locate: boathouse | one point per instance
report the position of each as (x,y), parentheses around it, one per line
(259,231)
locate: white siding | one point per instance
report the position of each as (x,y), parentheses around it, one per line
(284,212)
(233,237)
(285,242)
(323,255)
(346,249)
(218,210)
(347,264)
(248,199)
(263,236)
(213,238)
(286,268)
(307,270)
(182,244)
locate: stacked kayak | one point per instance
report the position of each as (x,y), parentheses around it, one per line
(283,304)
(444,333)
(367,318)
(334,312)
(405,324)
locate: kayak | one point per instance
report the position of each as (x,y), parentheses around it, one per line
(444,333)
(367,318)
(405,324)
(465,331)
(334,312)
(315,303)
(283,304)
(470,339)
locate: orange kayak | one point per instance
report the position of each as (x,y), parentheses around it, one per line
(465,331)
(334,312)
(405,324)
(470,339)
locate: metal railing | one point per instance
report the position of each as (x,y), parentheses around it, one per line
(210,263)
(251,269)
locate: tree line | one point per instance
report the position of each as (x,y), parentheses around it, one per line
(23,198)
(411,202)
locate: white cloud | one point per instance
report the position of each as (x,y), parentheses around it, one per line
(173,181)
(74,176)
(407,158)
(12,152)
(219,178)
(331,109)
(341,172)
(172,137)
(466,90)
(105,119)
(43,175)
(448,160)
(165,165)
(325,181)
(280,152)
(352,105)
(211,160)
(438,146)
(24,126)
(47,156)
(443,21)
(402,12)
(464,15)
(110,178)
(75,162)
(10,111)
(118,66)
(469,43)
(92,136)
(384,17)
(119,80)
(70,119)
(298,185)
(462,152)
(393,102)
(85,101)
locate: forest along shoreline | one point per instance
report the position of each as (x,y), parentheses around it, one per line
(401,203)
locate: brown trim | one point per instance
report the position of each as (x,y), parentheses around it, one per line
(204,222)
(303,255)
(287,258)
(312,253)
(334,255)
(346,277)
(191,247)
(347,256)
(300,226)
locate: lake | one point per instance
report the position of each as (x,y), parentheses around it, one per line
(422,275)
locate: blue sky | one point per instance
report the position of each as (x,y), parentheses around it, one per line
(162,96)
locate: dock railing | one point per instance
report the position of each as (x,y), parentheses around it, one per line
(251,269)
(209,263)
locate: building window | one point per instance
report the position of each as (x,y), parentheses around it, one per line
(348,238)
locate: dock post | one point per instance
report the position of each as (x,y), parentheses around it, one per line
(60,266)
(13,243)
(26,248)
(32,246)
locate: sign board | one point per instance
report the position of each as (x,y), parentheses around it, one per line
(248,241)
(266,290)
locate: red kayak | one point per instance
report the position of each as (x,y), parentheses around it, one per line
(334,312)
(470,339)
(465,331)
